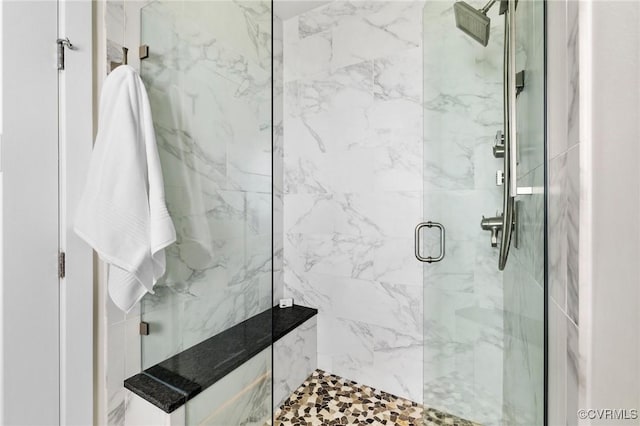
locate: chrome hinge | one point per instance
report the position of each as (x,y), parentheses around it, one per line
(61,265)
(62,43)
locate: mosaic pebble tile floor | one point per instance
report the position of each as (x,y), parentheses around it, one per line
(327,400)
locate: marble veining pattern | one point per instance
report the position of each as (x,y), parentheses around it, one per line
(243,397)
(295,357)
(210,96)
(352,185)
(278,159)
(558,239)
(209,82)
(325,399)
(564,233)
(573,232)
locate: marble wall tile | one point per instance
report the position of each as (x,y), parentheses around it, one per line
(295,357)
(246,25)
(399,76)
(558,223)
(564,149)
(347,87)
(356,213)
(573,373)
(115,370)
(573,73)
(308,56)
(123,359)
(115,20)
(115,31)
(323,18)
(278,159)
(557,93)
(369,352)
(573,232)
(356,39)
(243,397)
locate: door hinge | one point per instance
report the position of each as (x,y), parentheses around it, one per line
(62,43)
(61,265)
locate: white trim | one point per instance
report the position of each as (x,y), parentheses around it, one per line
(2,387)
(100,394)
(75,143)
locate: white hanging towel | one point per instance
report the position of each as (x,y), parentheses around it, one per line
(122,213)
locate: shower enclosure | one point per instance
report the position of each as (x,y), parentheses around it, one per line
(301,145)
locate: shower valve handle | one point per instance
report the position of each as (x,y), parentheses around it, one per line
(493,224)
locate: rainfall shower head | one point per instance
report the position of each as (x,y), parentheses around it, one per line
(473,22)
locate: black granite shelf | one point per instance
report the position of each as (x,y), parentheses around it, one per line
(171,383)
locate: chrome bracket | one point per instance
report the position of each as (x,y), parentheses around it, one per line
(143,51)
(144,328)
(519,82)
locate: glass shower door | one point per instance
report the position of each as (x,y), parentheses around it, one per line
(208,75)
(479,341)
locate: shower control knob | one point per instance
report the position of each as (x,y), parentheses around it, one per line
(494,225)
(499,177)
(498,145)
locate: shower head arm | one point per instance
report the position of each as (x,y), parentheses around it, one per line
(488,6)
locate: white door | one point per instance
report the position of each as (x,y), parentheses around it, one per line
(45,320)
(30,287)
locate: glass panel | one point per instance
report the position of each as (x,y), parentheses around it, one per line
(209,81)
(483,328)
(524,275)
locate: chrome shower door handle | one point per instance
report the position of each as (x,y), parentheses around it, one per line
(419,256)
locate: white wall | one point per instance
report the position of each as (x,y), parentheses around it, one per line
(1,221)
(613,350)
